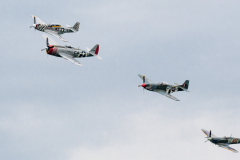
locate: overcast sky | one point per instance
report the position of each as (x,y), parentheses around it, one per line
(55,110)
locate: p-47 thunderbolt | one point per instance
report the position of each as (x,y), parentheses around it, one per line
(53,29)
(163,87)
(68,52)
(223,142)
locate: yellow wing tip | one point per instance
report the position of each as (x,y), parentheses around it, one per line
(204,132)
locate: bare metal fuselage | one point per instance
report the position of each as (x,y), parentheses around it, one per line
(74,52)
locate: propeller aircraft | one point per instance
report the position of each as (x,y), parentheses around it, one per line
(53,29)
(223,142)
(163,87)
(68,52)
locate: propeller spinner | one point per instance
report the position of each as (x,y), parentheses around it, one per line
(144,85)
(48,46)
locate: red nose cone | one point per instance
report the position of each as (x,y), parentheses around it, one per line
(144,85)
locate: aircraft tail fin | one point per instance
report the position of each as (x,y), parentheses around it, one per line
(76,26)
(94,51)
(185,84)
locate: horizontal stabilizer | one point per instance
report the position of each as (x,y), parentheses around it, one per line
(75,28)
(184,86)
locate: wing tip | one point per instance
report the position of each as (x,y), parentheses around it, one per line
(203,130)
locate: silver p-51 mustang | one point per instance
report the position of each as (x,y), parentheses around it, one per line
(68,52)
(163,87)
(53,29)
(223,142)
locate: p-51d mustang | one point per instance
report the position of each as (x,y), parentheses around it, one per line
(54,29)
(163,87)
(68,52)
(223,142)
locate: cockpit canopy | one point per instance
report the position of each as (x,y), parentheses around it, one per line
(54,25)
(163,83)
(68,46)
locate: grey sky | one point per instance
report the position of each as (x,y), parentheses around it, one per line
(53,109)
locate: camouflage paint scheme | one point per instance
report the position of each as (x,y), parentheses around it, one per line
(223,142)
(163,87)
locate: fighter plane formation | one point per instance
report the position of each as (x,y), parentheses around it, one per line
(70,53)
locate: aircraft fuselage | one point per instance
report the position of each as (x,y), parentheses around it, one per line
(164,87)
(74,52)
(224,140)
(51,27)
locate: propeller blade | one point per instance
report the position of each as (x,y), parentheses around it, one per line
(210,134)
(47,41)
(34,20)
(43,49)
(50,40)
(143,78)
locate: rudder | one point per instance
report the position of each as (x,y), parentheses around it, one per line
(95,49)
(76,26)
(185,84)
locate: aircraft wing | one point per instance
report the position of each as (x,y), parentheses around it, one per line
(55,34)
(39,21)
(207,133)
(70,58)
(149,81)
(228,148)
(167,95)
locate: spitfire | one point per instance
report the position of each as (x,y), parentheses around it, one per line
(223,142)
(53,29)
(68,52)
(163,87)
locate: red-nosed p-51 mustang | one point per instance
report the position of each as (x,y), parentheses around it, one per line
(68,52)
(55,30)
(163,87)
